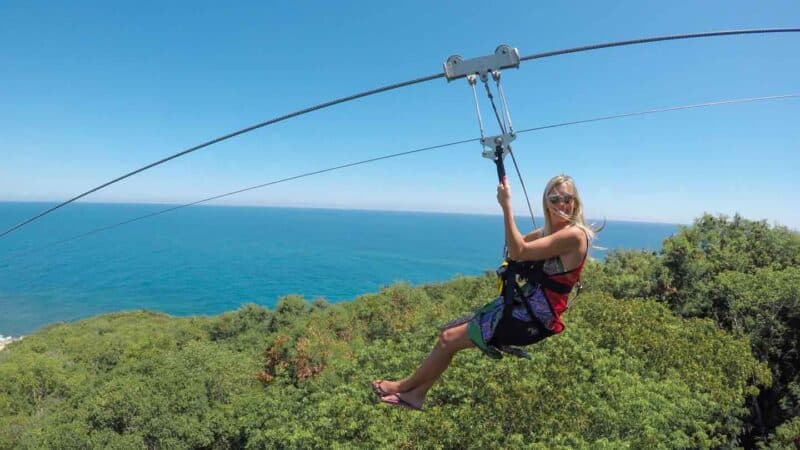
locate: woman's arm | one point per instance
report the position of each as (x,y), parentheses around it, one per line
(514,240)
(519,248)
(533,235)
(562,242)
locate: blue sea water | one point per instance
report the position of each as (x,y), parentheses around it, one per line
(210,259)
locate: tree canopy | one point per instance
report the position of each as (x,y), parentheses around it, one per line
(666,350)
(743,274)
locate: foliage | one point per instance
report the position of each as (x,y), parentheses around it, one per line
(627,373)
(785,436)
(714,245)
(746,276)
(627,274)
(743,274)
(624,375)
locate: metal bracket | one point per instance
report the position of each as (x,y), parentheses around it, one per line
(490,143)
(504,57)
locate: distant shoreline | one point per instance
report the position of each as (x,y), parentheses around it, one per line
(332,208)
(211,259)
(4,341)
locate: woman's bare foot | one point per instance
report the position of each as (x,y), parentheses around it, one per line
(383,388)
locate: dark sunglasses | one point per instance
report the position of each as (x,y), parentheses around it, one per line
(565,199)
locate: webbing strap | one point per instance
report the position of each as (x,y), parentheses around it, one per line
(510,288)
(533,273)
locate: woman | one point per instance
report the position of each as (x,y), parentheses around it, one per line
(555,254)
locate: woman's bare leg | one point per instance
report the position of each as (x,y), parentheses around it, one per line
(417,385)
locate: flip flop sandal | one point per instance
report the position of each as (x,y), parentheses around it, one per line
(396,400)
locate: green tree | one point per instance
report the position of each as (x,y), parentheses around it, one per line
(627,274)
(624,374)
(744,275)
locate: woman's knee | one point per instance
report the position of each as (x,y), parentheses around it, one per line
(454,339)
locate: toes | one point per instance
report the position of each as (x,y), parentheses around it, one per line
(379,389)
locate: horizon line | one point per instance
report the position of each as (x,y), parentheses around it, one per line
(341,208)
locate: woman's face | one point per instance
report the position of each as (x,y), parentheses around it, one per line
(560,199)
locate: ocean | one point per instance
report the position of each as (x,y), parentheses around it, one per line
(205,260)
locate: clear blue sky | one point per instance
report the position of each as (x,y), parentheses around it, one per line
(91,90)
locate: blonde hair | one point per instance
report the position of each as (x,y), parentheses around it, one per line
(576,218)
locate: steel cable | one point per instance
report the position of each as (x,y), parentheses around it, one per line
(226,137)
(674,37)
(389,88)
(501,124)
(394,155)
(239,191)
(660,110)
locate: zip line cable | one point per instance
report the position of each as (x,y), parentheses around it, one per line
(660,110)
(674,37)
(472,83)
(500,121)
(524,189)
(394,155)
(503,128)
(226,137)
(389,88)
(228,194)
(504,103)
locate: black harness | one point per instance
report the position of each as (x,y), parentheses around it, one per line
(533,273)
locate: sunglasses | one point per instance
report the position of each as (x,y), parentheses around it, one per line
(565,199)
